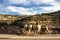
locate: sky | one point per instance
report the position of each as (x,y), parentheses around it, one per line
(28,7)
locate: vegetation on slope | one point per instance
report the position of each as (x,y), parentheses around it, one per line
(11,23)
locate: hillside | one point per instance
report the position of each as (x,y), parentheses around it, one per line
(14,24)
(54,16)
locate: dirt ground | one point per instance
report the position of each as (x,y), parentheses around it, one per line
(39,37)
(33,39)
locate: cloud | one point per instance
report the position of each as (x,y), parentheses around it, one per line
(51,9)
(28,3)
(2,7)
(16,2)
(42,1)
(20,10)
(29,7)
(57,0)
(24,2)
